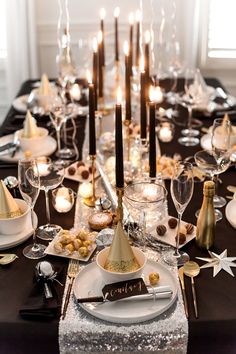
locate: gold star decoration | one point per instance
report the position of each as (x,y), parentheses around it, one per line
(218,262)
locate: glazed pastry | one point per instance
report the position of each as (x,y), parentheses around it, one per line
(161,230)
(80,163)
(100,220)
(83,251)
(71,171)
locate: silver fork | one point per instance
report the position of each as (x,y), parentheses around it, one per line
(72,271)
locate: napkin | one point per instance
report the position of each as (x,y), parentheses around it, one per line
(37,306)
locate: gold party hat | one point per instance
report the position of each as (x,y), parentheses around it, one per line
(8,205)
(44,86)
(30,126)
(121,258)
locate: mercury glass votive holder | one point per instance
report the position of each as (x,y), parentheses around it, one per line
(63,199)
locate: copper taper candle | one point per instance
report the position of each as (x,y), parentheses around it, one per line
(119,142)
(152,136)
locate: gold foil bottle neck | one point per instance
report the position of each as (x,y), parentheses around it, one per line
(8,205)
(121,258)
(30,126)
(209,189)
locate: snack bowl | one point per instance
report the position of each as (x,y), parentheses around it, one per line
(15,225)
(113,277)
(33,144)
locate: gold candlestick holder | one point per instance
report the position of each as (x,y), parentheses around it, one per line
(91,201)
(119,210)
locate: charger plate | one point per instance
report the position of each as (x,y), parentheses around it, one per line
(89,282)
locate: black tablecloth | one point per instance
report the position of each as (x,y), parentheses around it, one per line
(213,332)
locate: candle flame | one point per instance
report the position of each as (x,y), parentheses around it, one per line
(147,37)
(131,18)
(126,48)
(119,95)
(117,12)
(157,94)
(89,77)
(95,45)
(138,15)
(141,63)
(102,13)
(152,93)
(100,37)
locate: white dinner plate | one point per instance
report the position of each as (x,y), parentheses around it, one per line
(89,282)
(20,103)
(47,148)
(9,241)
(230,213)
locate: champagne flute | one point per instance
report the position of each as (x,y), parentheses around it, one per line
(51,176)
(29,184)
(220,142)
(181,192)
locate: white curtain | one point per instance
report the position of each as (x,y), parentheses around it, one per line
(21,62)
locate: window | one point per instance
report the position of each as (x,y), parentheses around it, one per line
(3,49)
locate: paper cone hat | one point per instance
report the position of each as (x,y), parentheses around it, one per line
(8,205)
(121,258)
(30,126)
(44,86)
(226,119)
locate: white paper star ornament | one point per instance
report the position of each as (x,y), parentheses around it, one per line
(218,262)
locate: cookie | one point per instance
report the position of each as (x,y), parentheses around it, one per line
(100,220)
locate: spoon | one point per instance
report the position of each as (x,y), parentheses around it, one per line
(192,269)
(44,272)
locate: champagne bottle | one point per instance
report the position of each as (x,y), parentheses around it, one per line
(205,233)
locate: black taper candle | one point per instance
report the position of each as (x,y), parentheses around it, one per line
(143,109)
(127,89)
(95,78)
(152,141)
(119,148)
(116,40)
(100,71)
(147,68)
(131,48)
(102,44)
(92,132)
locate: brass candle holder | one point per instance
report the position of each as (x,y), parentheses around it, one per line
(91,201)
(119,210)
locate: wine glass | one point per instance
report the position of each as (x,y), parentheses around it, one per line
(145,197)
(51,176)
(181,192)
(207,162)
(189,100)
(220,141)
(29,184)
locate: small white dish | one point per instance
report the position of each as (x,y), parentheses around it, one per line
(89,282)
(230,212)
(7,241)
(32,144)
(11,226)
(46,149)
(112,277)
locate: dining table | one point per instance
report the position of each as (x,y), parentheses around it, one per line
(213,332)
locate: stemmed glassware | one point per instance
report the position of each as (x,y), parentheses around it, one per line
(29,186)
(189,100)
(51,176)
(145,197)
(181,192)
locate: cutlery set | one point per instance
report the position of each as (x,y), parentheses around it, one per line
(190,269)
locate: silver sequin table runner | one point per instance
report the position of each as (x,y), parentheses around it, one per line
(81,333)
